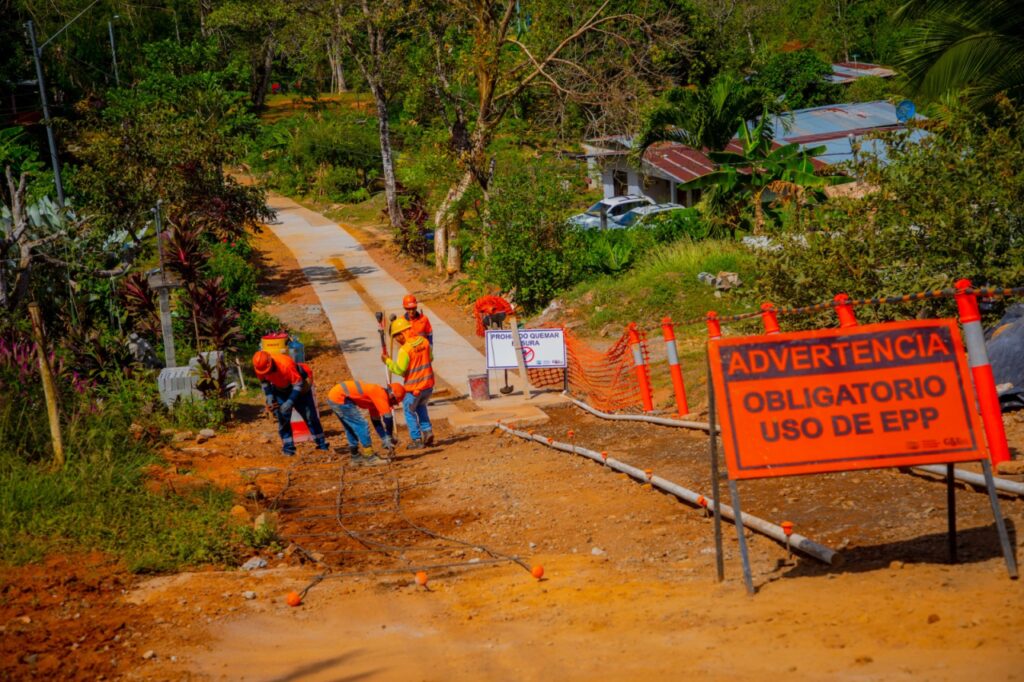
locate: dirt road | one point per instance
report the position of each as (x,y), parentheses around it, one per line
(628,590)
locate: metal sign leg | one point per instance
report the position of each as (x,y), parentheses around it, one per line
(951,512)
(1004,538)
(747,578)
(715,491)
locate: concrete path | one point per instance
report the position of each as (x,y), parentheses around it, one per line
(351,286)
(340,269)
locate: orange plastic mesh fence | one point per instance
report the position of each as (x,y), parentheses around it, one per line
(605,379)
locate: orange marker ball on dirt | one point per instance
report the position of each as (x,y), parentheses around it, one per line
(572,434)
(421,578)
(787,527)
(537,571)
(293,599)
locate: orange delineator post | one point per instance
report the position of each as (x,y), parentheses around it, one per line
(844,311)
(769,318)
(641,367)
(673,363)
(714,326)
(981,370)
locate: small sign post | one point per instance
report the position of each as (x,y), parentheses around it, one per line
(829,400)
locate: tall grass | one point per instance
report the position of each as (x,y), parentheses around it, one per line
(665,283)
(99,500)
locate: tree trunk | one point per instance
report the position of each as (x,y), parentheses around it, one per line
(338,84)
(454,264)
(205,7)
(388,159)
(445,215)
(262,84)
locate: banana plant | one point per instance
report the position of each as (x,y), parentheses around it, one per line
(761,169)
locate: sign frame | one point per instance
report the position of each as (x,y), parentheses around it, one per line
(717,383)
(561,360)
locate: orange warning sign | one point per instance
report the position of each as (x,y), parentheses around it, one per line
(881,395)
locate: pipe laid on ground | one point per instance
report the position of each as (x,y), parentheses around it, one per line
(1002,485)
(796,541)
(703,426)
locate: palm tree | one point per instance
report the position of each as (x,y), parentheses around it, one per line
(973,46)
(702,118)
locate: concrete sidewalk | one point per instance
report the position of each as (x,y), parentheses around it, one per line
(351,286)
(339,267)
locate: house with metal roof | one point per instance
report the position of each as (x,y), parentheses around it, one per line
(844,130)
(847,72)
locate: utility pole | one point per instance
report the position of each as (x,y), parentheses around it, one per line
(113,51)
(163,285)
(36,54)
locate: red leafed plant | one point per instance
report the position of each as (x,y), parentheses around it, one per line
(141,304)
(216,320)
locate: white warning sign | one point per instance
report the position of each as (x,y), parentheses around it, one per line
(542,349)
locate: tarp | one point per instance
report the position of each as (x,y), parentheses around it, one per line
(1006,353)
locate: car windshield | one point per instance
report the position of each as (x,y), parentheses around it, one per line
(625,207)
(630,217)
(595,210)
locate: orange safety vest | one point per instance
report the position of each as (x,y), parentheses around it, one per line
(371,397)
(420,375)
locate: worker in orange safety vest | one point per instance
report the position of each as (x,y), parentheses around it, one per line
(414,364)
(287,385)
(418,321)
(347,398)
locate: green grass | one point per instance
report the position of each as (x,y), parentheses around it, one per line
(99,501)
(665,283)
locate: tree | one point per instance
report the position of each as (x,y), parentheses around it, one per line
(701,118)
(254,27)
(371,34)
(486,58)
(798,79)
(974,46)
(749,177)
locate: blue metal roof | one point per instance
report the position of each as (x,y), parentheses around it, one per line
(836,126)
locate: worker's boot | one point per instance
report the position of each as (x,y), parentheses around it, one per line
(428,438)
(370,458)
(415,444)
(354,458)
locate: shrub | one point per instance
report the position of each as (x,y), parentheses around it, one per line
(529,245)
(944,208)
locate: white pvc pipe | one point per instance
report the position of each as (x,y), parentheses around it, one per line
(796,541)
(663,421)
(1002,485)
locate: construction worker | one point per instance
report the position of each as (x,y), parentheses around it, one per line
(420,323)
(347,398)
(414,364)
(286,385)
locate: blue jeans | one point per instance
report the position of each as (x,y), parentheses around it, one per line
(416,417)
(357,432)
(307,409)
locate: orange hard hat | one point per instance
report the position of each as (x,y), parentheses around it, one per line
(400,325)
(262,363)
(410,302)
(397,390)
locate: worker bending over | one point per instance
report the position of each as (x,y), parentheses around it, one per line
(418,321)
(413,363)
(286,385)
(348,398)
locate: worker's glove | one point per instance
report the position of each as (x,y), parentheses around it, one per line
(271,408)
(389,443)
(286,406)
